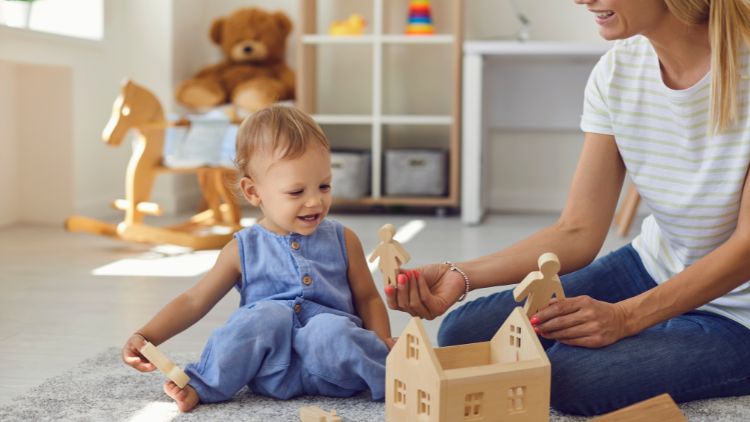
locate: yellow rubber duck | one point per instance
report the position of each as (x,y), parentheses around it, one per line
(354,25)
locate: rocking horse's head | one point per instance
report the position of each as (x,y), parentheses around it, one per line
(134,107)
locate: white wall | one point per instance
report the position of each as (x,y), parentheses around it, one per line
(45,130)
(551,20)
(137,44)
(36,139)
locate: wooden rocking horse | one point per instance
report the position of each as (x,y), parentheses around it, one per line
(137,108)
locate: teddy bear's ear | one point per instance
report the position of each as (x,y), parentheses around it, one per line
(283,22)
(215,32)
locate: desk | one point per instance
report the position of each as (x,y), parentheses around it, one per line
(525,98)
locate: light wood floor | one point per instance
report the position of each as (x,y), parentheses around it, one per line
(57,307)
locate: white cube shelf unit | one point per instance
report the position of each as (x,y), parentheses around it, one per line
(387,91)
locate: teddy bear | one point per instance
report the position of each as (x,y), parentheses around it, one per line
(253,73)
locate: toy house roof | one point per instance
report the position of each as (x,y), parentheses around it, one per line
(478,360)
(416,328)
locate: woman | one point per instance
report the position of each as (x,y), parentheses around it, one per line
(671,311)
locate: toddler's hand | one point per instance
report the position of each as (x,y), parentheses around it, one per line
(132,356)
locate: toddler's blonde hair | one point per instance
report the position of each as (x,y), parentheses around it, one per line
(285,132)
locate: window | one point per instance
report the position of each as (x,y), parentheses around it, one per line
(400,394)
(515,336)
(517,399)
(423,405)
(412,348)
(74,18)
(473,407)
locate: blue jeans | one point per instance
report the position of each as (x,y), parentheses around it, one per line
(697,355)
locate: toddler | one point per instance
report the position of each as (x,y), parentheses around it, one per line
(310,319)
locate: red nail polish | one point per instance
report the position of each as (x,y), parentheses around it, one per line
(389,290)
(401,279)
(534,320)
(410,273)
(416,274)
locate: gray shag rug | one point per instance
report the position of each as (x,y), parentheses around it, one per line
(103,388)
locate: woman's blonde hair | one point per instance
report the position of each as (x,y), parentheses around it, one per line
(284,131)
(729,29)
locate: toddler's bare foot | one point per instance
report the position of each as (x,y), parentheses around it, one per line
(186,398)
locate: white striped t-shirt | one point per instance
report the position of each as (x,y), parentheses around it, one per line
(690,180)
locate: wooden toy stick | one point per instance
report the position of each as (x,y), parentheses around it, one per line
(392,255)
(540,286)
(316,414)
(166,366)
(660,408)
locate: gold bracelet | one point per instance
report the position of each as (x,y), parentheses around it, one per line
(453,267)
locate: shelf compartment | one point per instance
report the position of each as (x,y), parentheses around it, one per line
(408,136)
(319,15)
(427,137)
(345,136)
(410,75)
(337,80)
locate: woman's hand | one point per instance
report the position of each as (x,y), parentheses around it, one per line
(426,292)
(132,356)
(581,321)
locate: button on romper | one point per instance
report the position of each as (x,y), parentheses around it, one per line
(296,331)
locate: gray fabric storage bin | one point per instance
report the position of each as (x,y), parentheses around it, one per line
(415,172)
(350,172)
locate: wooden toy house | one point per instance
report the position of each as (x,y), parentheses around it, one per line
(504,379)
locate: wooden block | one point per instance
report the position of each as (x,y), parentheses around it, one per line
(316,414)
(166,366)
(660,408)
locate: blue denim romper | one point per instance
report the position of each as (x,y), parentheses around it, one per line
(296,330)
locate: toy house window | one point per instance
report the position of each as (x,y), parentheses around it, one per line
(423,405)
(516,399)
(473,407)
(515,336)
(400,393)
(412,349)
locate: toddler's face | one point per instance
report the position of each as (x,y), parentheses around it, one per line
(294,194)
